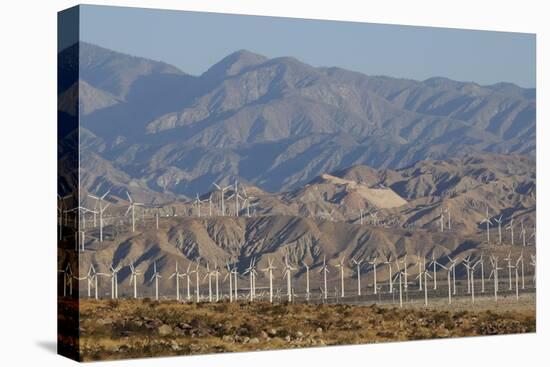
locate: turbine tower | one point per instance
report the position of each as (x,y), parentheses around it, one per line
(341,266)
(453,268)
(269,269)
(288,275)
(198,202)
(102,209)
(178,275)
(133,277)
(222,193)
(114,279)
(510,267)
(92,277)
(197,279)
(209,275)
(132,207)
(499,221)
(251,271)
(373,263)
(494,274)
(324,270)
(358,265)
(523,233)
(216,272)
(230,275)
(388,262)
(156,276)
(487,221)
(510,227)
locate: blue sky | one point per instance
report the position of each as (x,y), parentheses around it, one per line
(195,41)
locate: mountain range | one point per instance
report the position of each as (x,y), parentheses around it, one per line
(311,148)
(276,124)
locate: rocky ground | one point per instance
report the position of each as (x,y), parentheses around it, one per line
(144,328)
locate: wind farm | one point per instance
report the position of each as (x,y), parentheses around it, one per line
(142,259)
(228,222)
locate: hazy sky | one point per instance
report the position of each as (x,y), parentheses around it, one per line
(194,41)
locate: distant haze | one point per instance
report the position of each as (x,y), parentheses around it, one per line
(194,41)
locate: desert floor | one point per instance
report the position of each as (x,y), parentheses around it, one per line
(121,329)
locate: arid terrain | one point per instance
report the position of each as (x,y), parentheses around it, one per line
(118,329)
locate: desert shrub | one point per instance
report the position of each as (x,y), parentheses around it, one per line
(442,317)
(221,307)
(113,303)
(459,314)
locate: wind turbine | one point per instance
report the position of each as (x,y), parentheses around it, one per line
(217,279)
(510,267)
(373,263)
(99,200)
(425,273)
(133,278)
(399,276)
(132,207)
(235,284)
(520,260)
(453,268)
(449,274)
(222,192)
(209,201)
(405,275)
(499,221)
(198,202)
(178,275)
(92,277)
(466,263)
(435,264)
(358,265)
(209,275)
(517,278)
(533,263)
(449,217)
(288,275)
(269,269)
(441,219)
(251,271)
(307,280)
(494,274)
(114,279)
(481,262)
(324,270)
(156,276)
(187,274)
(237,198)
(471,275)
(197,278)
(510,227)
(230,275)
(487,220)
(421,262)
(361,216)
(523,233)
(341,266)
(388,262)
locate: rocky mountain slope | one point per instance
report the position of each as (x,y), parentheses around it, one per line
(279,123)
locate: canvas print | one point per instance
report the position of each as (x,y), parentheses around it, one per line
(234,183)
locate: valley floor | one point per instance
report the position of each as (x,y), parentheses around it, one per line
(121,329)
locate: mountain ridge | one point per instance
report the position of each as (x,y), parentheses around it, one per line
(278,123)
